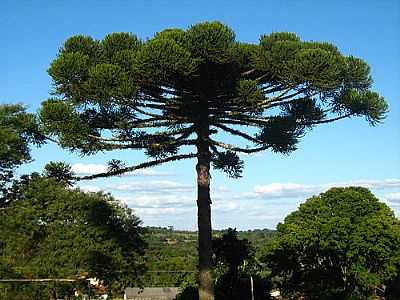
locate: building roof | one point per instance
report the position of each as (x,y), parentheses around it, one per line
(164,293)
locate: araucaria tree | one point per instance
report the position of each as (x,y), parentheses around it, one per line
(172,96)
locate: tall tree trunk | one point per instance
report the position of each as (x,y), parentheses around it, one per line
(206,283)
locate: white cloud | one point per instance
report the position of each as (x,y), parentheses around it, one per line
(157,186)
(148,172)
(160,212)
(91,169)
(225,206)
(288,190)
(90,188)
(158,201)
(393,197)
(374,184)
(88,169)
(294,190)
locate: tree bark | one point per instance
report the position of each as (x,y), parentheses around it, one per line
(206,282)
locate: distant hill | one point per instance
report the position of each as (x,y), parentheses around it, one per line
(172,254)
(169,236)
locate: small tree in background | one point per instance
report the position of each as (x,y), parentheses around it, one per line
(339,245)
(230,252)
(173,95)
(237,267)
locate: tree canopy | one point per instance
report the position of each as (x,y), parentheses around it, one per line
(18,130)
(340,244)
(51,231)
(126,93)
(174,94)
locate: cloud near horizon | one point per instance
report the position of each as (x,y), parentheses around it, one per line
(393,197)
(158,201)
(167,202)
(295,190)
(151,187)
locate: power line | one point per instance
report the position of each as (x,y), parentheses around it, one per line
(40,280)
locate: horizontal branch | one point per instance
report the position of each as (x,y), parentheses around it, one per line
(238,133)
(137,167)
(238,149)
(153,123)
(326,121)
(273,88)
(146,144)
(254,121)
(146,113)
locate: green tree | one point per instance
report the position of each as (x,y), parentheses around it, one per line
(18,129)
(338,245)
(52,231)
(174,94)
(231,252)
(233,256)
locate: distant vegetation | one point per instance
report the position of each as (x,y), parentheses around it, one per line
(176,251)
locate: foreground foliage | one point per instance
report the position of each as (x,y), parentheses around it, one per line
(51,231)
(341,244)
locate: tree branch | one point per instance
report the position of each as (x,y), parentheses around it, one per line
(137,167)
(326,121)
(250,120)
(146,113)
(238,149)
(238,133)
(153,122)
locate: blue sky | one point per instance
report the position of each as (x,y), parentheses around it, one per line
(344,153)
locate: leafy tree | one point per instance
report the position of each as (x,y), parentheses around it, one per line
(338,245)
(231,252)
(174,94)
(18,129)
(236,265)
(57,232)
